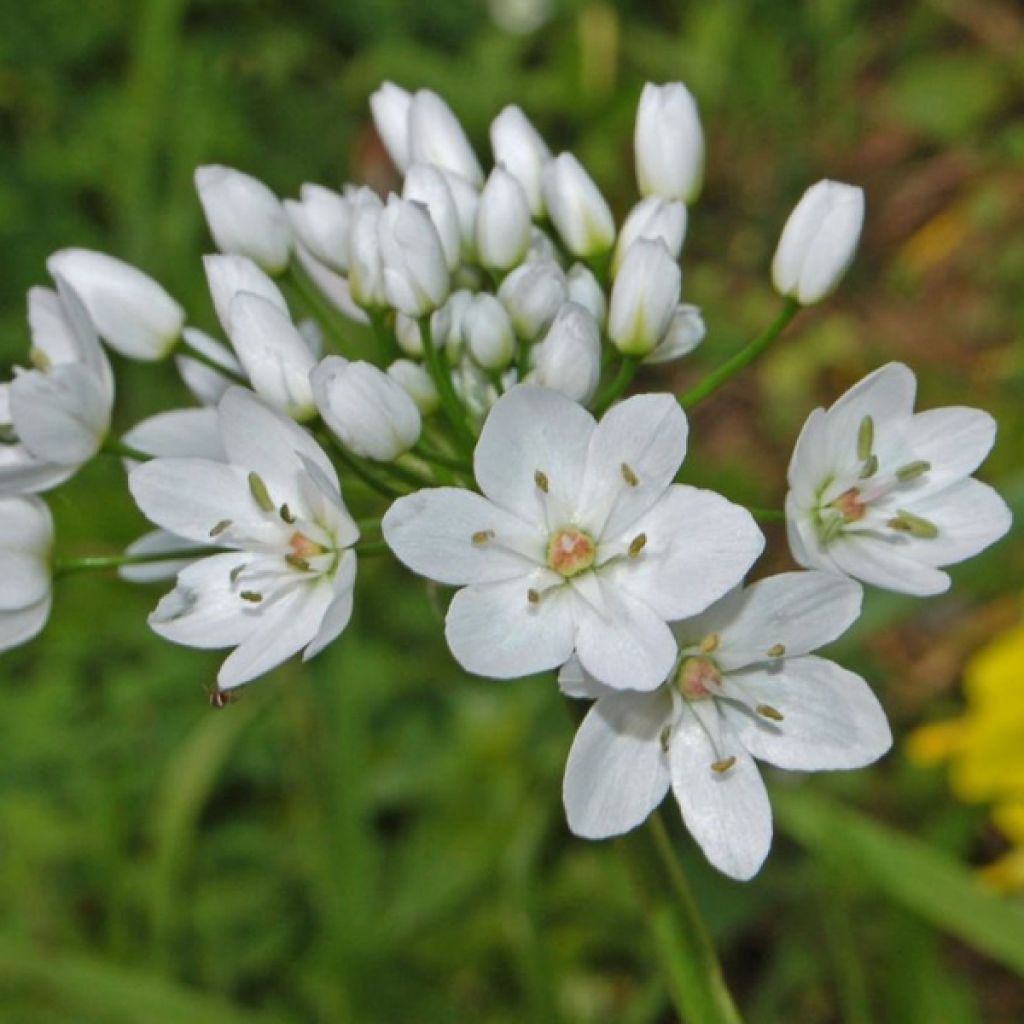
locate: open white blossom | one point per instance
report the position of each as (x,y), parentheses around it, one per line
(745,685)
(285,584)
(579,542)
(26,537)
(58,413)
(885,495)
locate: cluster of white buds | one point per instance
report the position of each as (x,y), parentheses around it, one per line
(488,442)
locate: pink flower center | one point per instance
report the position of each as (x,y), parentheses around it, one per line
(850,506)
(698,678)
(571,551)
(302,547)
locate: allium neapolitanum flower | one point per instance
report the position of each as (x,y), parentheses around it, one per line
(579,542)
(26,537)
(743,686)
(885,495)
(286,584)
(58,412)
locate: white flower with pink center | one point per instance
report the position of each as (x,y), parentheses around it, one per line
(580,541)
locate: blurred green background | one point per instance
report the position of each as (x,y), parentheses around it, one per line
(377,838)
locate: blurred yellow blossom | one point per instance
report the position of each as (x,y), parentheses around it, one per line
(985,746)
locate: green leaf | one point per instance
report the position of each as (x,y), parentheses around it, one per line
(912,874)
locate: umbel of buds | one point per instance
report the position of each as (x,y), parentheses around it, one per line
(444,372)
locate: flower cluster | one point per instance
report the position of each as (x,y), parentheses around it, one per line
(490,444)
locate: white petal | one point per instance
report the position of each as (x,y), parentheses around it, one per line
(646,435)
(887,563)
(969,515)
(204,610)
(533,429)
(494,630)
(62,415)
(831,719)
(154,543)
(810,466)
(206,385)
(288,625)
(433,531)
(727,813)
(955,440)
(22,473)
(698,547)
(801,611)
(339,611)
(267,442)
(190,497)
(228,275)
(619,639)
(26,535)
(575,681)
(188,433)
(20,626)
(617,771)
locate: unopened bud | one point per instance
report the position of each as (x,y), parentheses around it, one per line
(322,220)
(519,146)
(668,143)
(644,297)
(585,291)
(416,279)
(428,185)
(417,383)
(436,137)
(576,207)
(685,332)
(389,106)
(532,294)
(503,222)
(487,332)
(652,218)
(569,358)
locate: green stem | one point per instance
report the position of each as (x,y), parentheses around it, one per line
(371,548)
(115,446)
(384,336)
(186,351)
(322,310)
(368,477)
(450,403)
(681,938)
(66,566)
(627,368)
(714,380)
(430,455)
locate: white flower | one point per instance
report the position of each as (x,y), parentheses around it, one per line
(368,411)
(818,241)
(60,411)
(576,207)
(26,537)
(390,108)
(130,311)
(745,686)
(585,291)
(416,279)
(427,185)
(365,268)
(417,384)
(467,201)
(668,143)
(569,358)
(244,216)
(519,146)
(275,355)
(228,274)
(205,383)
(533,293)
(286,582)
(322,220)
(644,297)
(652,218)
(579,542)
(503,224)
(436,137)
(685,332)
(487,332)
(885,495)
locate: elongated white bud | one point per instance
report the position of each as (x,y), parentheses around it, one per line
(576,207)
(416,279)
(418,384)
(818,241)
(585,291)
(503,223)
(532,294)
(487,332)
(365,266)
(228,274)
(652,218)
(685,332)
(668,143)
(644,298)
(428,186)
(436,137)
(569,357)
(322,220)
(519,147)
(467,202)
(244,216)
(389,106)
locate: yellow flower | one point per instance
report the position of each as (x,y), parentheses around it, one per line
(985,746)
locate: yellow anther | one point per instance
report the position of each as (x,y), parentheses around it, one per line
(533,596)
(259,492)
(776,650)
(637,544)
(220,527)
(767,711)
(628,475)
(252,596)
(286,514)
(482,536)
(721,767)
(710,643)
(541,480)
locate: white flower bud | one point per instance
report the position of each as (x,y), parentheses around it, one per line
(206,384)
(365,267)
(668,143)
(532,294)
(503,222)
(416,279)
(389,106)
(228,274)
(274,354)
(569,357)
(576,207)
(436,137)
(446,323)
(417,383)
(409,336)
(487,332)
(368,411)
(652,218)
(244,216)
(129,310)
(818,241)
(427,185)
(685,332)
(541,246)
(519,146)
(467,202)
(321,222)
(585,291)
(644,297)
